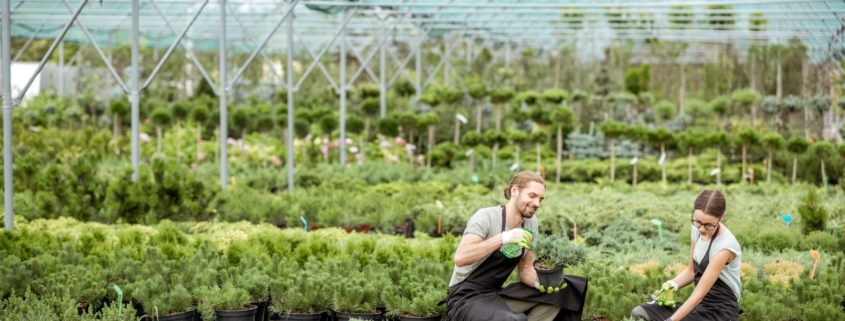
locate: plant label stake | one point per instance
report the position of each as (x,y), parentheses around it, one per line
(469,152)
(475,179)
(788,219)
(816,257)
(634,161)
(439,218)
(514,167)
(662,159)
(715,171)
(119,299)
(462,118)
(659,227)
(304,223)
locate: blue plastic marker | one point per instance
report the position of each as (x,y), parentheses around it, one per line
(787,218)
(475,179)
(304,222)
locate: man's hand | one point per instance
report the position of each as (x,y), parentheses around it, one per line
(517,236)
(549,289)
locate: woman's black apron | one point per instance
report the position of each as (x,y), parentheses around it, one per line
(479,296)
(719,303)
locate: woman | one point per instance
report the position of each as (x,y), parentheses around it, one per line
(715,259)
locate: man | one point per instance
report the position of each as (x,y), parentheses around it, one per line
(482,267)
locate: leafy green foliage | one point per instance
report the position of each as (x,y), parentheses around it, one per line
(793,104)
(472,139)
(720,105)
(477,90)
(612,129)
(554,95)
(820,103)
(771,105)
(797,145)
(306,289)
(745,97)
(388,127)
(637,79)
(368,91)
(354,124)
(493,137)
(749,137)
(225,298)
(665,110)
(371,107)
(773,141)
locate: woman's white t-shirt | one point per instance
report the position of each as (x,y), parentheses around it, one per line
(724,241)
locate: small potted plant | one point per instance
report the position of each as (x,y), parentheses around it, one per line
(414,301)
(226,303)
(304,294)
(355,296)
(163,301)
(553,253)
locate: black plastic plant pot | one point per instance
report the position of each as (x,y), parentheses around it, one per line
(247,314)
(553,277)
(298,316)
(184,316)
(360,316)
(434,318)
(197,316)
(261,314)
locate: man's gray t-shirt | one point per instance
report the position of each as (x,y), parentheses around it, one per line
(487,223)
(724,241)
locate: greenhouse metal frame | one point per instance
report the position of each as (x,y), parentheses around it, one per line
(498,26)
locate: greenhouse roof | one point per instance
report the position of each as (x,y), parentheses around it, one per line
(589,24)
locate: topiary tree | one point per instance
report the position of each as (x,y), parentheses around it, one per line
(478,92)
(404,89)
(577,98)
(517,138)
(771,105)
(199,114)
(721,106)
(749,138)
(664,111)
(161,117)
(662,137)
(282,122)
(793,104)
(691,140)
(328,124)
(539,137)
(821,104)
(119,108)
(499,97)
(450,96)
(388,127)
(530,97)
(637,133)
(264,124)
(301,129)
(472,140)
(241,120)
(822,150)
(368,90)
(773,142)
(698,110)
(495,138)
(370,107)
(796,146)
(430,121)
(745,100)
(180,110)
(564,119)
(356,125)
(717,139)
(612,130)
(408,121)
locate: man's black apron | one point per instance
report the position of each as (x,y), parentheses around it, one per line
(479,296)
(720,303)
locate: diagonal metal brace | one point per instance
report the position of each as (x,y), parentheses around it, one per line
(441,63)
(319,63)
(173,46)
(326,48)
(382,42)
(99,51)
(52,48)
(285,16)
(255,43)
(187,50)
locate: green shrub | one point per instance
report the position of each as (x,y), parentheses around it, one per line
(225,298)
(814,214)
(556,250)
(821,241)
(777,239)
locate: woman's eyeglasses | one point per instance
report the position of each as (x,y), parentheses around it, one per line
(708,226)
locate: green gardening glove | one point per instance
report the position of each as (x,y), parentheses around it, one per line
(548,289)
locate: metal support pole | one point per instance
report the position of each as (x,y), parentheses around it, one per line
(6,57)
(342,95)
(291,89)
(134,93)
(448,67)
(382,72)
(418,62)
(224,156)
(61,68)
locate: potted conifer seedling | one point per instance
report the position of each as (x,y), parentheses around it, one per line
(553,253)
(163,301)
(304,294)
(225,303)
(356,295)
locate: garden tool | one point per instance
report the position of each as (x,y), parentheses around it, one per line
(510,250)
(665,296)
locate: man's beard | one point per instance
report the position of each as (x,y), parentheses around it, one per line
(526,210)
